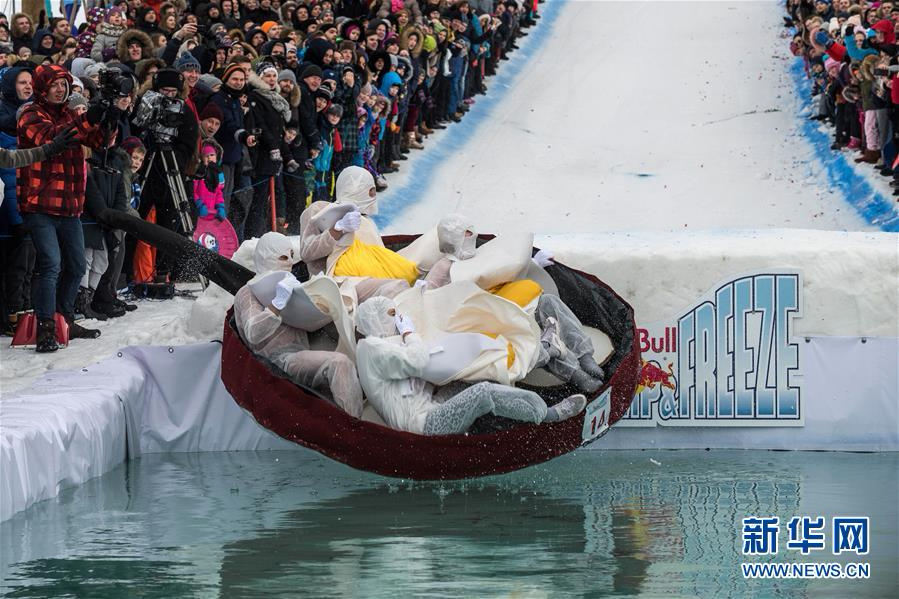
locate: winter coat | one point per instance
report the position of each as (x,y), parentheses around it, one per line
(54,186)
(269,112)
(856,53)
(232,124)
(308,118)
(9,106)
(293,100)
(105,189)
(106,42)
(330,144)
(9,160)
(348,127)
(386,9)
(209,202)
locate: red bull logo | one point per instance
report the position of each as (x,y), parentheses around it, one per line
(731,359)
(652,375)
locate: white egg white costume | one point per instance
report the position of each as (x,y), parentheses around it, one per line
(570,358)
(320,250)
(390,367)
(286,346)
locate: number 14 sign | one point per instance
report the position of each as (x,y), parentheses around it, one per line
(596,417)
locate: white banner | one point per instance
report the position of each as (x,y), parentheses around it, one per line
(730,360)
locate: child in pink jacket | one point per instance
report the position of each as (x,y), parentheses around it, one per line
(208,196)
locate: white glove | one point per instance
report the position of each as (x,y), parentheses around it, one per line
(350,222)
(420,283)
(275,155)
(284,290)
(543,258)
(403,324)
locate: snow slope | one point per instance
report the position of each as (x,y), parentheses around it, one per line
(633,116)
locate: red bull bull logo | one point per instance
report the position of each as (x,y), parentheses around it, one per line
(651,375)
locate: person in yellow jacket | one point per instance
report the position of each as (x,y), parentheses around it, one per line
(351,249)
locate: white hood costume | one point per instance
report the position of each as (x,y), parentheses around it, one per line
(390,369)
(287,347)
(320,250)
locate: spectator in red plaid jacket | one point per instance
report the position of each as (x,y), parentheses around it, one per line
(51,197)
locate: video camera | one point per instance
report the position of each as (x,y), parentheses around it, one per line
(114,84)
(159,115)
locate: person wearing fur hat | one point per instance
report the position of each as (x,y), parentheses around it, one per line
(108,34)
(268,112)
(133,46)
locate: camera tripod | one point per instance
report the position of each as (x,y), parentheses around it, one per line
(175,183)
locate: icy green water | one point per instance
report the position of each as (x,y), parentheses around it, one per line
(590,524)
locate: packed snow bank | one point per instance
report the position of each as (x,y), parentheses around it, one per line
(153,323)
(66,428)
(70,426)
(849,279)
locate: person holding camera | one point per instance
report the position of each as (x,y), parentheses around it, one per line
(51,198)
(169,131)
(268,113)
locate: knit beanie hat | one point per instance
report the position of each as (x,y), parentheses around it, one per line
(230,70)
(130,144)
(168,78)
(262,67)
(94,70)
(311,71)
(76,100)
(212,111)
(187,62)
(206,83)
(287,75)
(323,92)
(266,26)
(116,10)
(335,109)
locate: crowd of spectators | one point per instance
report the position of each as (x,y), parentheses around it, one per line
(245,101)
(851,55)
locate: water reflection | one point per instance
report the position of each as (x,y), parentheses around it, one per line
(289,524)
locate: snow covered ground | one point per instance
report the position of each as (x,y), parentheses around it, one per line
(632,117)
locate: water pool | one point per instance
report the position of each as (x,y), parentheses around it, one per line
(593,523)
